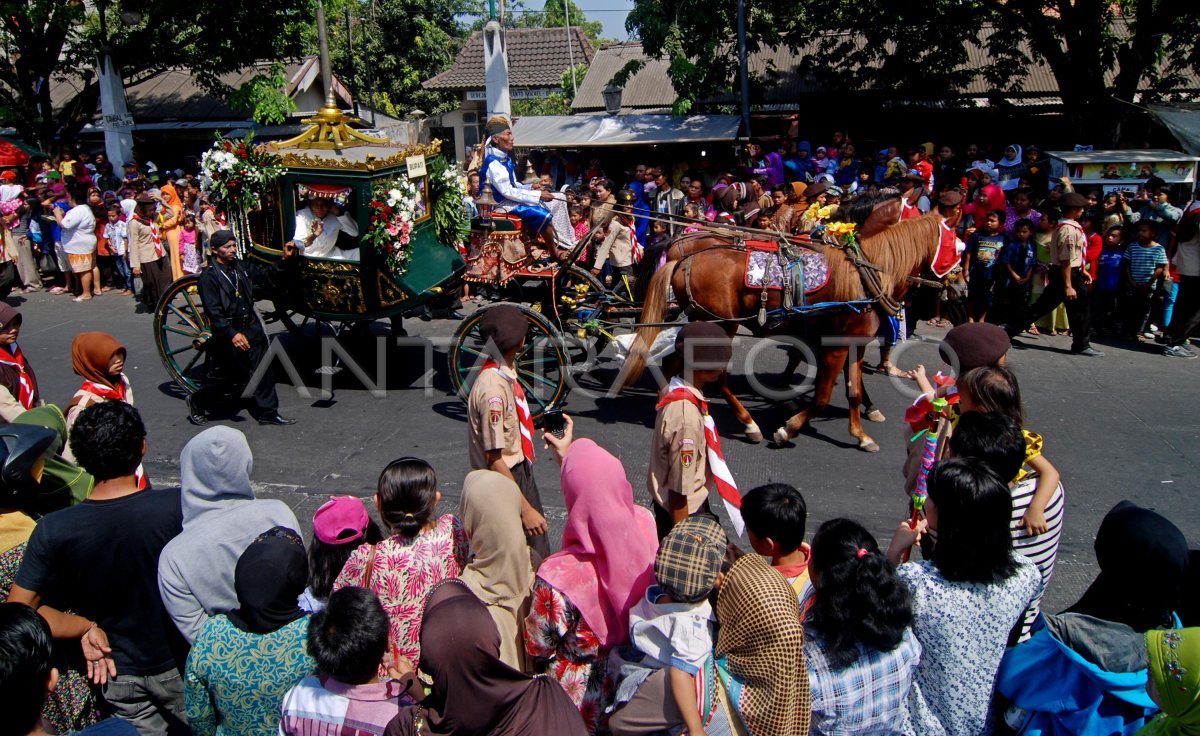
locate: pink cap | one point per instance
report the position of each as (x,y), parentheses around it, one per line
(341,520)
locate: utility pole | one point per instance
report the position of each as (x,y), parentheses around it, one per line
(570,45)
(744,77)
(350,59)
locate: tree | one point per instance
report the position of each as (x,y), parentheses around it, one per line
(553,15)
(400,43)
(56,40)
(555,103)
(1101,52)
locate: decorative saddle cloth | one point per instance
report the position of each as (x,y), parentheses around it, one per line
(767,268)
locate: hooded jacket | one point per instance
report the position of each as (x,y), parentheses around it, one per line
(221,518)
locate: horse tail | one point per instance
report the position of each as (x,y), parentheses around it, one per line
(653,312)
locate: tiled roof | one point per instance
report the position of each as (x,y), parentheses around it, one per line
(537,57)
(650,89)
(174,94)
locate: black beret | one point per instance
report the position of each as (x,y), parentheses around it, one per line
(816,189)
(505,325)
(705,343)
(976,344)
(950,198)
(221,237)
(1072,200)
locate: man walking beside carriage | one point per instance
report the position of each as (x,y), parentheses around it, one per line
(238,343)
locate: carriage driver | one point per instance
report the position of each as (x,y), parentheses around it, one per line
(499,171)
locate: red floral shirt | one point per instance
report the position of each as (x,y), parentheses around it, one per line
(555,631)
(405,571)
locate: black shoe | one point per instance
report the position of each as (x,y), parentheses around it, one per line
(424,314)
(196,415)
(1088,352)
(452,314)
(274,417)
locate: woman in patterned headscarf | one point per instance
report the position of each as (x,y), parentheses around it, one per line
(760,651)
(1174,682)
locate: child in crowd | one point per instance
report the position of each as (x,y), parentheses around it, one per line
(117,235)
(821,163)
(1095,244)
(423,549)
(861,652)
(775,516)
(1107,283)
(189,245)
(692,212)
(348,640)
(656,250)
(578,222)
(983,250)
(999,441)
(1015,278)
(339,527)
(672,624)
(1145,263)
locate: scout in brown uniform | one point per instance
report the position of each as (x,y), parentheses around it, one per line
(679,477)
(499,426)
(148,248)
(1067,280)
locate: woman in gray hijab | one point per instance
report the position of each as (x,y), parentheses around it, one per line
(221,518)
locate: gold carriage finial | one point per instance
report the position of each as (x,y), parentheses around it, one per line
(329,128)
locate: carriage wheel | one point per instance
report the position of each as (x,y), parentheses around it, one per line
(182,332)
(542,365)
(581,312)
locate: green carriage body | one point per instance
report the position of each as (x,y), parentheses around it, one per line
(347,291)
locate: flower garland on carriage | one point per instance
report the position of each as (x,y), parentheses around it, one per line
(399,203)
(236,174)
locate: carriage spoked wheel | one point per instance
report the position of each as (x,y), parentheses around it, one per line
(542,364)
(182,332)
(581,310)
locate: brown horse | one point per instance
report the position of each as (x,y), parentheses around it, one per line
(708,281)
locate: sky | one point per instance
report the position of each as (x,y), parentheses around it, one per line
(609,12)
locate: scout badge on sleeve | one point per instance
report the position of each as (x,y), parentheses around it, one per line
(495,410)
(687,452)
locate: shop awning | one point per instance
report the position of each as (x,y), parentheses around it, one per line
(1183,122)
(588,131)
(16,152)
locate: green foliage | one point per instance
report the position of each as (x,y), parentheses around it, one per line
(554,15)
(264,96)
(1100,52)
(48,39)
(448,191)
(400,43)
(556,103)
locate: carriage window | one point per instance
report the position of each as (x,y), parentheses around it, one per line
(325,221)
(266,221)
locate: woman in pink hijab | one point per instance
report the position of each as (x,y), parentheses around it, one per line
(583,592)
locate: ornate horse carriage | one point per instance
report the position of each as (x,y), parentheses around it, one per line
(400,213)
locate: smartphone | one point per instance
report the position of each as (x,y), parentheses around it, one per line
(555,423)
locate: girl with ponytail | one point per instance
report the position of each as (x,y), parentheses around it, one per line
(421,551)
(861,653)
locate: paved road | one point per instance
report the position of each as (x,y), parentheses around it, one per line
(1123,426)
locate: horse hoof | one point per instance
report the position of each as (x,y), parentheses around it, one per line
(874,415)
(753,433)
(868,445)
(781,436)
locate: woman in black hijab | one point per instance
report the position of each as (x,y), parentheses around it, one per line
(473,693)
(244,662)
(1143,561)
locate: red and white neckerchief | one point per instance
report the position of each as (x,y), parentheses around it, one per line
(524,418)
(727,488)
(158,249)
(636,250)
(116,394)
(16,359)
(112,394)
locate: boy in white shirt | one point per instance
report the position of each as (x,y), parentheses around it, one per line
(117,235)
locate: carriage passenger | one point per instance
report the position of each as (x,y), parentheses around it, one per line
(320,228)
